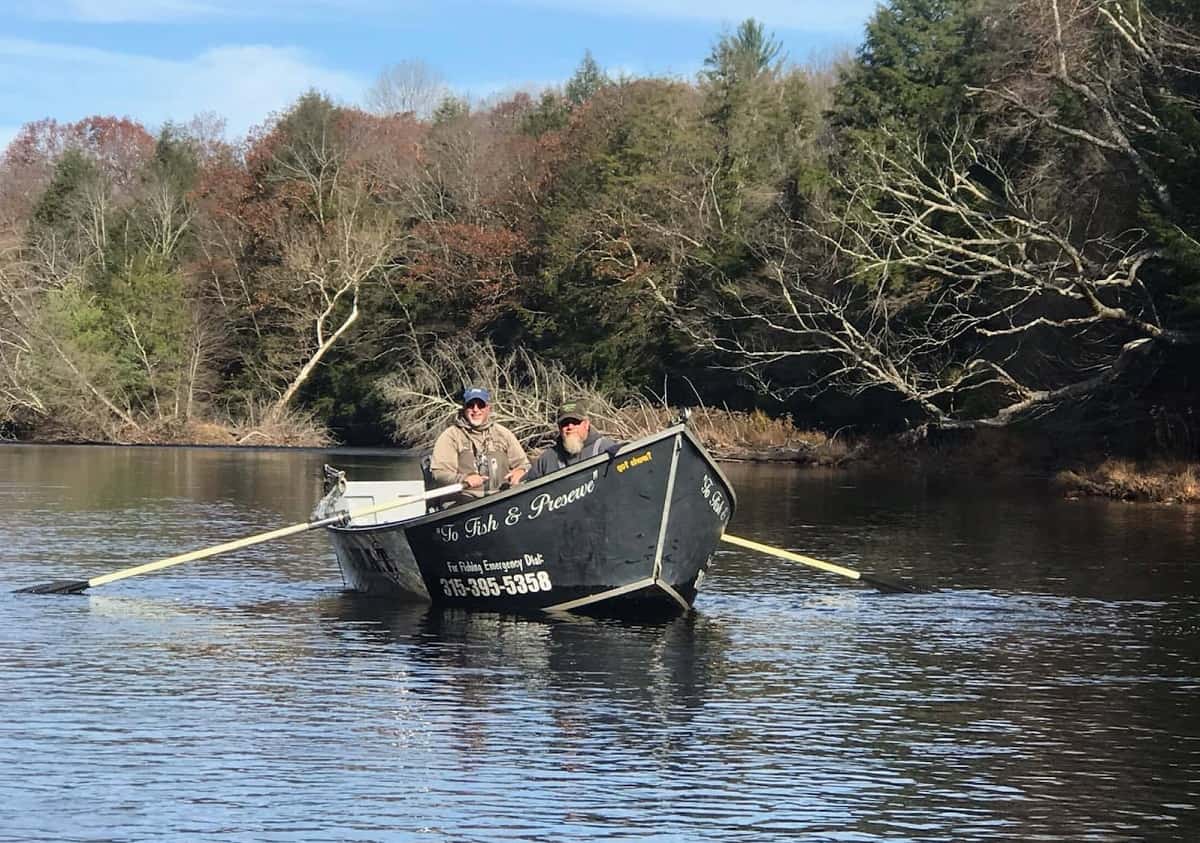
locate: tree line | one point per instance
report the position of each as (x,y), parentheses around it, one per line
(988,216)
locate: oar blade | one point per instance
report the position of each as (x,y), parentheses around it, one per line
(56,587)
(888,586)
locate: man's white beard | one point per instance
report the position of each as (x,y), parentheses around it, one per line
(572,443)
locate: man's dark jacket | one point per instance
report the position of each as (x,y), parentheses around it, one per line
(552,459)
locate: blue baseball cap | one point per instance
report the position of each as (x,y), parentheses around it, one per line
(476,393)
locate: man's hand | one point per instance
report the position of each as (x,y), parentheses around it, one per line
(514,476)
(474,481)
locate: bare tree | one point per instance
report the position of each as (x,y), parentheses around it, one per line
(526,390)
(43,373)
(945,287)
(19,395)
(981,293)
(1101,73)
(325,220)
(410,86)
(168,216)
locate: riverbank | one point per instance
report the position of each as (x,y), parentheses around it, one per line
(1073,469)
(980,452)
(290,431)
(738,437)
(1159,481)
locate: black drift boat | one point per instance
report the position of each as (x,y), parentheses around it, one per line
(627,533)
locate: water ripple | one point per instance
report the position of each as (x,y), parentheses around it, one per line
(247,698)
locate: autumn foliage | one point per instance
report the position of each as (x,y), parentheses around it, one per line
(982,218)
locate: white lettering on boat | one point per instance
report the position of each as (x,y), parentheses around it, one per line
(715,497)
(477,526)
(528,560)
(481,525)
(509,585)
(543,503)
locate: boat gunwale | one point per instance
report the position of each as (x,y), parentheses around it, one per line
(579,467)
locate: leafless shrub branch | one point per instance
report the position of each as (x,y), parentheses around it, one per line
(526,390)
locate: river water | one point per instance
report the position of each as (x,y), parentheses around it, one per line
(1047,691)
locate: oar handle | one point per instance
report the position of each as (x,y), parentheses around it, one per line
(340,518)
(795,557)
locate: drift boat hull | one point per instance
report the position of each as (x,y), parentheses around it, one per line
(631,532)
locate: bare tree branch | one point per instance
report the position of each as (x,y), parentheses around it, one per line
(958,297)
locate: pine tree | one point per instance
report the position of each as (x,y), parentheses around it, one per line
(587,80)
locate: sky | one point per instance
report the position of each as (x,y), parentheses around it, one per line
(244,60)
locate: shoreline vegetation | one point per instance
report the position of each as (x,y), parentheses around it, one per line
(970,247)
(1157,482)
(735,436)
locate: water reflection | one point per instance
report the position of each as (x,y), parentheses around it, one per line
(1013,535)
(1047,692)
(671,664)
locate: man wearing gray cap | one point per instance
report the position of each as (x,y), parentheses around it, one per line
(475,451)
(576,441)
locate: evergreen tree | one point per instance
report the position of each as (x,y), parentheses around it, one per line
(56,207)
(587,80)
(450,109)
(742,57)
(549,115)
(914,66)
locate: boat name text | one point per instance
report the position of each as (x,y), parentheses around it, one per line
(716,498)
(544,503)
(481,525)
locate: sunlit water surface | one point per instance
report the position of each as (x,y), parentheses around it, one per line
(1047,691)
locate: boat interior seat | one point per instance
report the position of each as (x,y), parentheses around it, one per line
(437,504)
(361,494)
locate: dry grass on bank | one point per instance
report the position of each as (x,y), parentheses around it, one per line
(288,429)
(422,397)
(732,435)
(1163,482)
(257,428)
(254,426)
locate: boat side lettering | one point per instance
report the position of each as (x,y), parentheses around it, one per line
(544,503)
(466,566)
(509,585)
(481,525)
(634,462)
(716,498)
(376,559)
(477,526)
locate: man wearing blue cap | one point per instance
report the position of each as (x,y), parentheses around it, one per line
(481,454)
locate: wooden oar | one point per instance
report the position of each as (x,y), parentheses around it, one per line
(879,582)
(340,519)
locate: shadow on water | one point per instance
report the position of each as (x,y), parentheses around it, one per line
(679,660)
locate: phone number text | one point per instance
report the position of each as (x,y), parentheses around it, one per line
(529,583)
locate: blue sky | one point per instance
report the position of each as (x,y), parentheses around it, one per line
(159,60)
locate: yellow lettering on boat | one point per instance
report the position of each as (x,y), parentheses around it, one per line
(633,462)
